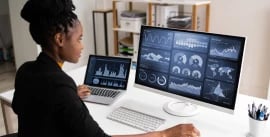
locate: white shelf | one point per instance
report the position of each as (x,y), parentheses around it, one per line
(126,30)
(179,2)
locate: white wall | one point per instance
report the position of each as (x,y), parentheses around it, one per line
(268,96)
(84,11)
(3,7)
(268,90)
(251,19)
(5,32)
(24,47)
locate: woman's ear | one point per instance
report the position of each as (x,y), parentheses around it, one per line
(58,37)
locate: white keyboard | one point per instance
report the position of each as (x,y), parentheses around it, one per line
(136,119)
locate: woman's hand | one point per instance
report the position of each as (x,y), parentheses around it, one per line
(83,91)
(181,130)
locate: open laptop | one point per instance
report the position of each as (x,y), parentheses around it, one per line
(107,77)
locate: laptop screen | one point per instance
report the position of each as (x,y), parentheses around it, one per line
(107,72)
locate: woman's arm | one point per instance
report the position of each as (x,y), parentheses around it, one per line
(181,130)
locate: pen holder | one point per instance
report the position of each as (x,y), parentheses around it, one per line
(256,127)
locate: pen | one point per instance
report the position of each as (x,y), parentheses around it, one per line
(266,116)
(259,107)
(265,109)
(258,113)
(261,115)
(249,111)
(254,112)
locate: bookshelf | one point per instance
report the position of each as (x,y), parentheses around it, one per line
(195,7)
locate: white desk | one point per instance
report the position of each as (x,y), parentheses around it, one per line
(211,123)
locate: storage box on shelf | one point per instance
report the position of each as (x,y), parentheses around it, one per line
(179,22)
(132,20)
(163,13)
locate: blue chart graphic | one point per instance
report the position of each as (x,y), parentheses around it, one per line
(221,70)
(225,48)
(157,39)
(122,73)
(218,91)
(153,79)
(191,42)
(108,74)
(112,83)
(97,81)
(188,64)
(155,59)
(181,85)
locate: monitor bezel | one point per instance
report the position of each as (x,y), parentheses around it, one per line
(201,102)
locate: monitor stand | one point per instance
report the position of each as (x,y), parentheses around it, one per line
(181,108)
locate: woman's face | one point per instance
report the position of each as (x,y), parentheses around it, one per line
(72,46)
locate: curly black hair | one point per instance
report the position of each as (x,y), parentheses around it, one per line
(48,17)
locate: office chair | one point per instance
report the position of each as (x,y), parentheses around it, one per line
(10,135)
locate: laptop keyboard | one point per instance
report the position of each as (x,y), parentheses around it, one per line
(104,92)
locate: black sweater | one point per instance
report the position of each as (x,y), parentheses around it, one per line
(47,103)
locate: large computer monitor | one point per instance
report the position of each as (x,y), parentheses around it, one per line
(195,67)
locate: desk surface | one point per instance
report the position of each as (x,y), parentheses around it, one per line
(211,123)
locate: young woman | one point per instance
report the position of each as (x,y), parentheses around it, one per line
(47,101)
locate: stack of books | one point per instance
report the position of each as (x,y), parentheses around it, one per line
(126,46)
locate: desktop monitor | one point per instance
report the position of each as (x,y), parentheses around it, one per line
(195,67)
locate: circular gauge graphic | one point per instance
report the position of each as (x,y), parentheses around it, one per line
(96,81)
(152,78)
(162,80)
(143,75)
(180,58)
(176,70)
(186,72)
(196,74)
(195,61)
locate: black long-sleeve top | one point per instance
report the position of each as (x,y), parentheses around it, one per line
(47,103)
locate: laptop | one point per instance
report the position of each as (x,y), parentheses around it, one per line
(107,77)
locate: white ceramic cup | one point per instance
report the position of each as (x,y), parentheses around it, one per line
(256,127)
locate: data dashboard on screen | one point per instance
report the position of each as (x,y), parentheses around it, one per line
(204,67)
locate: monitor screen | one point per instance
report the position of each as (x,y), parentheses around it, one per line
(196,66)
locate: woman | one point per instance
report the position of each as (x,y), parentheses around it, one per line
(46,99)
